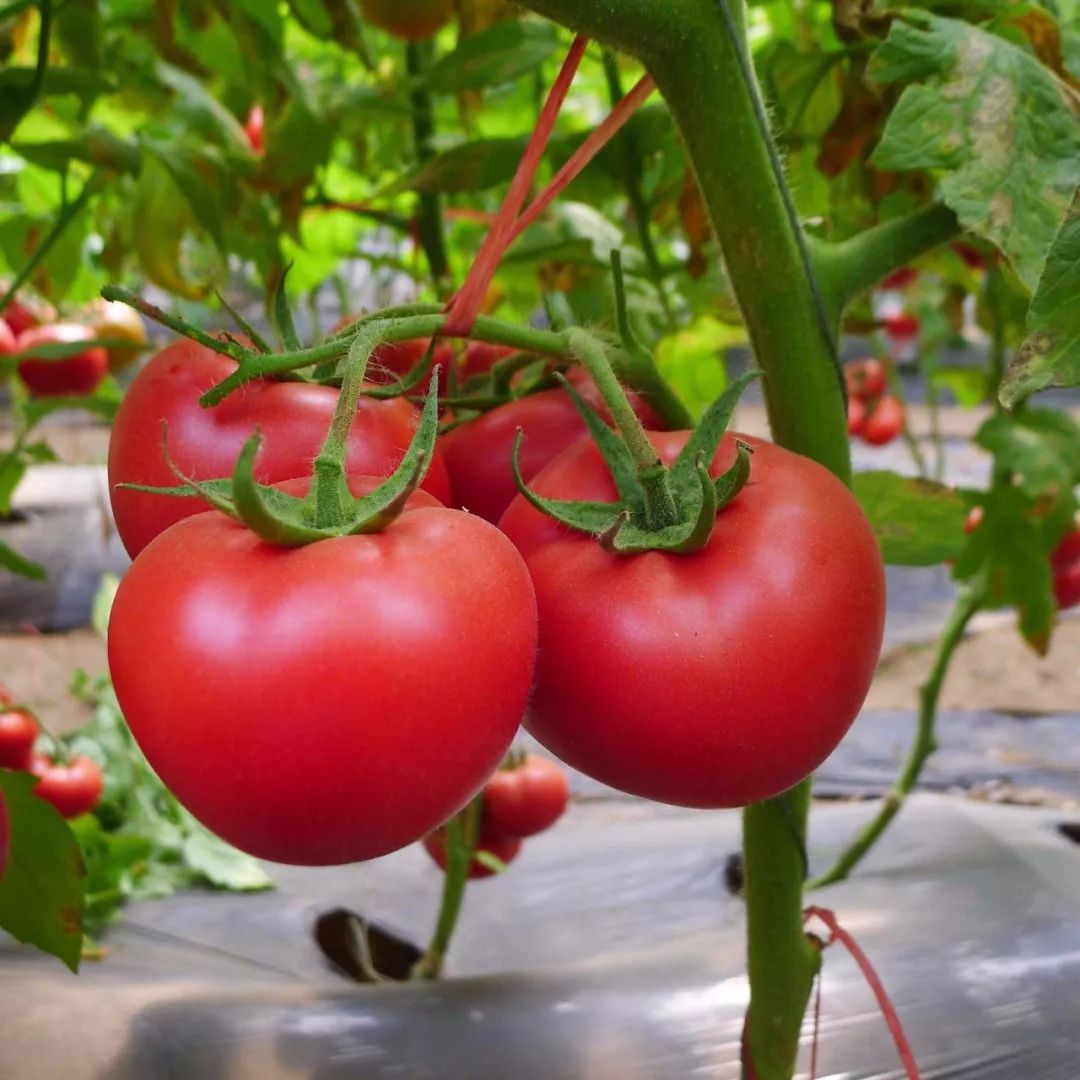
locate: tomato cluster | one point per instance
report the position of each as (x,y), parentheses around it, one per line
(874,415)
(25,325)
(74,786)
(524,797)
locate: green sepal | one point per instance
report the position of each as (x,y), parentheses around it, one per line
(594,518)
(222,489)
(613,450)
(706,437)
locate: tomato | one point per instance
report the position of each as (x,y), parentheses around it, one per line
(412,20)
(900,279)
(885,422)
(18,730)
(394,361)
(481,357)
(253,129)
(79,374)
(24,313)
(504,848)
(327,703)
(712,679)
(5,834)
(525,800)
(866,378)
(118,322)
(292,417)
(856,415)
(971,255)
(74,788)
(7,339)
(902,325)
(479,452)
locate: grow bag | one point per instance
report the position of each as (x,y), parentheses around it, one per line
(612,950)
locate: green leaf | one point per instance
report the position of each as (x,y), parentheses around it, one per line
(692,359)
(95,146)
(41,891)
(192,171)
(917,522)
(1050,354)
(1040,450)
(970,386)
(997,123)
(103,602)
(219,863)
(103,402)
(469,167)
(11,560)
(504,52)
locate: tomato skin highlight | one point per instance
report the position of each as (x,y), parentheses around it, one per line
(74,788)
(525,800)
(885,422)
(330,703)
(79,374)
(292,417)
(713,679)
(479,452)
(504,848)
(18,731)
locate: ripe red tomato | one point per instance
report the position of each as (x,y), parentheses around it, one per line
(394,361)
(504,848)
(7,339)
(18,730)
(479,452)
(866,378)
(253,129)
(856,415)
(74,788)
(412,20)
(328,703)
(480,358)
(884,423)
(204,443)
(5,834)
(971,255)
(525,800)
(79,374)
(902,325)
(22,314)
(713,679)
(900,279)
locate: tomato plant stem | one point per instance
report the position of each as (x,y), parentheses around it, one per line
(429,209)
(967,604)
(462,834)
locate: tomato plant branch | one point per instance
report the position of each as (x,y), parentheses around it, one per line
(429,215)
(968,602)
(852,266)
(462,834)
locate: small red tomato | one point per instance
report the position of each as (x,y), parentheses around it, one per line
(900,279)
(974,519)
(856,415)
(18,730)
(505,849)
(253,129)
(74,788)
(866,378)
(7,339)
(78,374)
(1066,565)
(902,325)
(5,835)
(525,800)
(22,315)
(885,422)
(971,255)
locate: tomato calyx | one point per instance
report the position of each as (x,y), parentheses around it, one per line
(329,509)
(659,508)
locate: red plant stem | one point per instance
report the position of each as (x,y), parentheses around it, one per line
(465,306)
(608,128)
(888,1010)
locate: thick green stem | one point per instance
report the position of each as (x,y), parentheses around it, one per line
(462,832)
(429,211)
(967,604)
(852,266)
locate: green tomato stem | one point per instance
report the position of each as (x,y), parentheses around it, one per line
(968,602)
(462,835)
